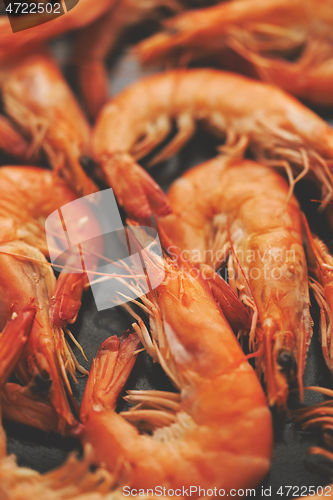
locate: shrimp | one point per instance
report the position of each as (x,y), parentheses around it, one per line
(97,40)
(28,196)
(321,269)
(74,480)
(234,213)
(279,131)
(289,43)
(218,430)
(37,98)
(20,326)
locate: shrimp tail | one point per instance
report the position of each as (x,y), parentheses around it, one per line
(109,373)
(135,190)
(66,301)
(232,307)
(19,329)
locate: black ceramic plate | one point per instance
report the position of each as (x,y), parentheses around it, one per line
(43,452)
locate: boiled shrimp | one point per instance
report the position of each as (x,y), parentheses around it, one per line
(321,268)
(279,131)
(217,429)
(234,214)
(288,43)
(99,38)
(28,196)
(74,480)
(38,100)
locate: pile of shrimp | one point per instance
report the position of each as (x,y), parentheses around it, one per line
(227,302)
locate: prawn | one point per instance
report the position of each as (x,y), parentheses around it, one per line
(74,480)
(289,43)
(28,195)
(278,129)
(321,269)
(218,428)
(98,39)
(37,99)
(233,213)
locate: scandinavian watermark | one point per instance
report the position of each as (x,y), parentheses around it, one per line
(87,236)
(30,14)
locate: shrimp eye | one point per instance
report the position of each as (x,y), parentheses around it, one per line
(285,360)
(41,385)
(87,163)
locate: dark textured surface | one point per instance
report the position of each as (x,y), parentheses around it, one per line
(45,451)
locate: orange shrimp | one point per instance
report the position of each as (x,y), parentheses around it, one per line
(288,42)
(28,196)
(74,479)
(97,40)
(218,429)
(234,213)
(37,98)
(321,269)
(277,128)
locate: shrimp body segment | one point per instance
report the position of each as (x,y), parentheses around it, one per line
(277,128)
(288,43)
(233,213)
(28,196)
(217,430)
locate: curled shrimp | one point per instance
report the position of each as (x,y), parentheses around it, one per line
(74,480)
(99,38)
(279,131)
(233,213)
(28,196)
(38,100)
(218,427)
(288,42)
